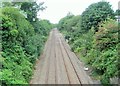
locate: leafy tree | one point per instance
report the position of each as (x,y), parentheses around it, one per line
(95,14)
(70,26)
(31,9)
(63,20)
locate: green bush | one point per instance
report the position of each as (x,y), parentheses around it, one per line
(106,42)
(17,68)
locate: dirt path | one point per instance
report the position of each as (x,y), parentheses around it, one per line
(58,64)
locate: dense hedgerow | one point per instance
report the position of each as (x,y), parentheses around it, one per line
(16,30)
(21,45)
(96,43)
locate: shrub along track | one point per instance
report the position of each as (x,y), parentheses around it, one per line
(58,64)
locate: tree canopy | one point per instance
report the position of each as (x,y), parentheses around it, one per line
(95,14)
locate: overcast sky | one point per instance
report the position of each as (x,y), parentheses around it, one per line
(57,9)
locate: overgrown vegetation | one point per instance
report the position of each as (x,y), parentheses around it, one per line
(22,42)
(94,36)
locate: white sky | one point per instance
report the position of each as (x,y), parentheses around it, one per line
(57,9)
